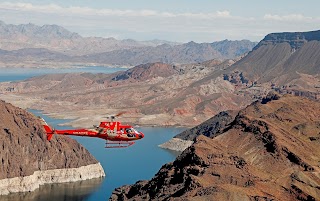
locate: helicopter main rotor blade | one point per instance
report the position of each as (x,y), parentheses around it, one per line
(119,114)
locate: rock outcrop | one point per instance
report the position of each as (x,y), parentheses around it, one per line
(210,128)
(270,151)
(28,159)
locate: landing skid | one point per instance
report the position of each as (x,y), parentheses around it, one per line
(118,144)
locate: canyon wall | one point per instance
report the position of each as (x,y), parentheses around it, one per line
(28,159)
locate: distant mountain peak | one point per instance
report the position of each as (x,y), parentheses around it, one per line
(32,30)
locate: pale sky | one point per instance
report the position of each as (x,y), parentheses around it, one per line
(173,20)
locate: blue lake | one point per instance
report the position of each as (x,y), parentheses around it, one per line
(122,166)
(16,74)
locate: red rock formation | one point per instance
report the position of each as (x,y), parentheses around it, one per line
(25,148)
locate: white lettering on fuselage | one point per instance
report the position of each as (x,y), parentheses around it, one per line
(81,133)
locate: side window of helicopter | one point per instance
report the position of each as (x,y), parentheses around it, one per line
(129,132)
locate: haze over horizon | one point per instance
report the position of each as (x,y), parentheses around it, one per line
(179,21)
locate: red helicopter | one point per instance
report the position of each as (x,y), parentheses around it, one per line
(115,134)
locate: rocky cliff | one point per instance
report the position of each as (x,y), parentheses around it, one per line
(270,151)
(295,39)
(28,159)
(284,59)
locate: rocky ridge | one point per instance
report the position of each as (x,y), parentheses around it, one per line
(146,72)
(28,159)
(286,61)
(270,151)
(190,52)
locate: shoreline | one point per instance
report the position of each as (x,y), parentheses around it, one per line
(62,65)
(42,177)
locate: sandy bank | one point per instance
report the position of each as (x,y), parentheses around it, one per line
(176,144)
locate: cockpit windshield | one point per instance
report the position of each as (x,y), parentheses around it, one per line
(130,130)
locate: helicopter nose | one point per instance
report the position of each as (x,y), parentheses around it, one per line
(141,135)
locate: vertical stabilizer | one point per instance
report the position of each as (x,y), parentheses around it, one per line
(48,129)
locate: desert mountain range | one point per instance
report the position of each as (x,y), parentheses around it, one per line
(177,94)
(51,45)
(58,39)
(268,151)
